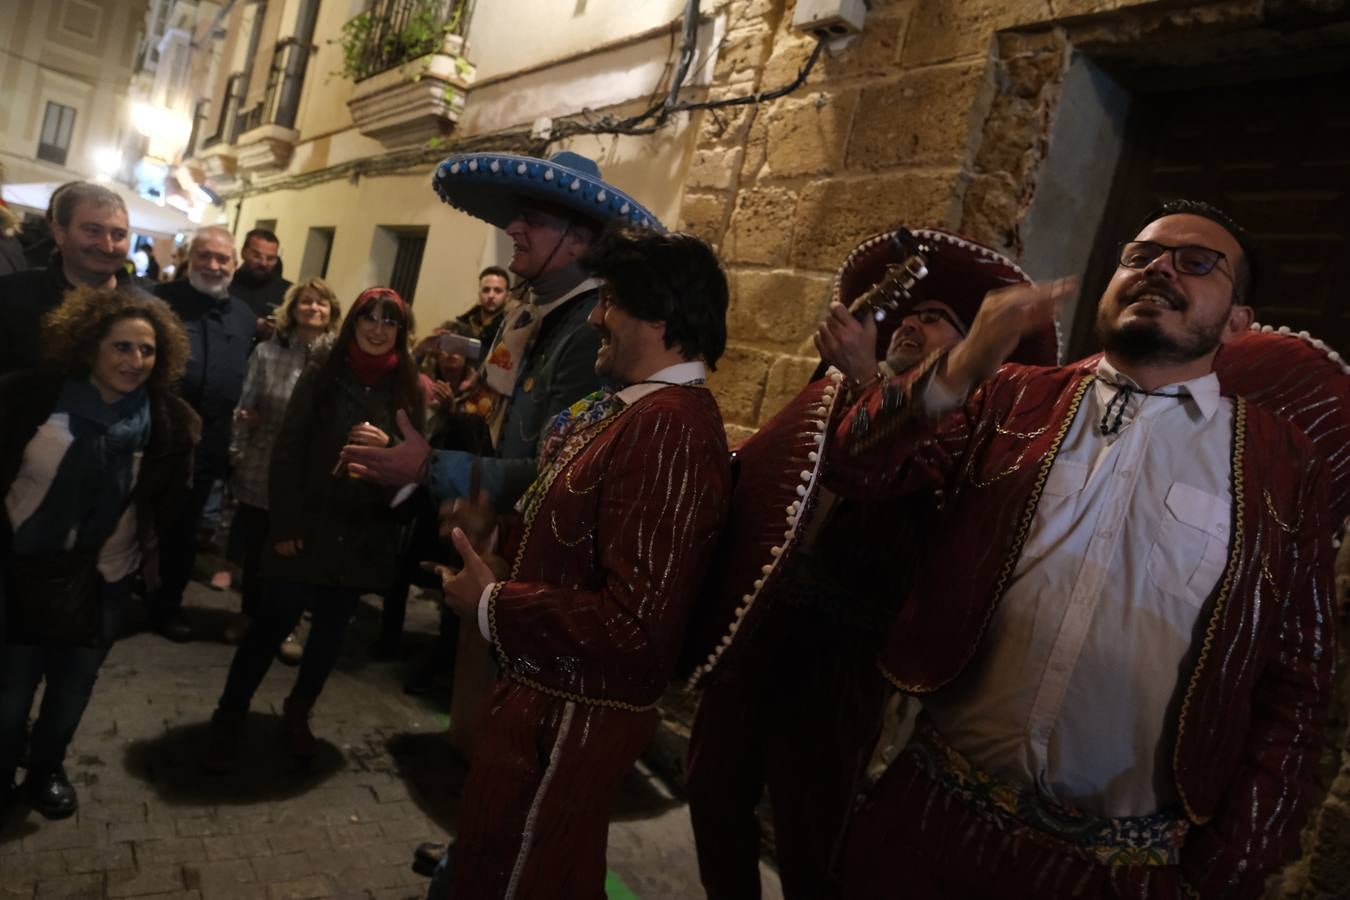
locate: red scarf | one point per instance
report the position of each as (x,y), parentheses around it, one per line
(371,369)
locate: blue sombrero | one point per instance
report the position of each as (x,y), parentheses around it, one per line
(491,186)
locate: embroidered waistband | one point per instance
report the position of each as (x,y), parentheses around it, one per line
(1153,840)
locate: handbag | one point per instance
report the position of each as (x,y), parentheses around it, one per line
(53,598)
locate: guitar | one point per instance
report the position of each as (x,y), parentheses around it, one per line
(886,295)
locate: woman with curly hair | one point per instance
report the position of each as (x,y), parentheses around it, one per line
(95,459)
(309,315)
(332,537)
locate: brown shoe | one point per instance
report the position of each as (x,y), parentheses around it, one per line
(299,739)
(222,753)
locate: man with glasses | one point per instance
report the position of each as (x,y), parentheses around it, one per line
(792,707)
(1122,637)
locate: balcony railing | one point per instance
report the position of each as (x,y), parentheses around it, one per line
(392,32)
(227,126)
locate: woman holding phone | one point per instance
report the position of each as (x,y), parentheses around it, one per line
(332,537)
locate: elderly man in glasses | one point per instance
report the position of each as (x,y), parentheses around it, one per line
(1122,638)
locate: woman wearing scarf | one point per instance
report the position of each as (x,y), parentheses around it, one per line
(95,456)
(332,537)
(308,317)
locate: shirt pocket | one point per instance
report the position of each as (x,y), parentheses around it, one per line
(1191,551)
(1059,497)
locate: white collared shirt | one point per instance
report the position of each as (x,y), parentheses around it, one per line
(1072,689)
(680,373)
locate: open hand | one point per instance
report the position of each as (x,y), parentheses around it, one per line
(1006,316)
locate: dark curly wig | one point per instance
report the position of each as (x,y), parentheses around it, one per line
(71,332)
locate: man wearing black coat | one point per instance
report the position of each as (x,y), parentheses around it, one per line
(258,281)
(92,236)
(220,329)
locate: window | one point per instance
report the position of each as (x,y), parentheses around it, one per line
(408,263)
(265,224)
(318,250)
(57,125)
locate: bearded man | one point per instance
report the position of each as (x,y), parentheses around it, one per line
(1122,636)
(220,329)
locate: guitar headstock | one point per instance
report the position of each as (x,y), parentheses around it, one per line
(896,285)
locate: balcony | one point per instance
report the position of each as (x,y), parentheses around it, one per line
(406,57)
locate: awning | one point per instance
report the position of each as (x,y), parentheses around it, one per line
(146,216)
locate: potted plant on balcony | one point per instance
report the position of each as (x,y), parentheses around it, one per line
(410,72)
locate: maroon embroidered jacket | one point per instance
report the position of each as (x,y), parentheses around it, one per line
(1250,712)
(609,555)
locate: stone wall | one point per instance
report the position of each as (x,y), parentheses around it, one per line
(940,113)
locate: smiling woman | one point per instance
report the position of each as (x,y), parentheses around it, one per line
(94,455)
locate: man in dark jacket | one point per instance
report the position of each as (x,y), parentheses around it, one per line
(89,226)
(220,330)
(258,281)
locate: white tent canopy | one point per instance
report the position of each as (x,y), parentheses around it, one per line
(147,217)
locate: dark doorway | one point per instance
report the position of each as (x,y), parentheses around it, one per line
(1275,155)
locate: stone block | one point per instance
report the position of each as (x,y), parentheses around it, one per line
(738,383)
(761,226)
(787,376)
(704,215)
(991,210)
(744,10)
(807,135)
(738,434)
(775,309)
(874,52)
(756,150)
(958,29)
(835,214)
(170,851)
(743,49)
(925,117)
(714,168)
(1014,136)
(726,127)
(287,867)
(1028,74)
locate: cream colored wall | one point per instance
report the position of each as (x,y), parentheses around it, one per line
(557,29)
(323,104)
(88,69)
(458,246)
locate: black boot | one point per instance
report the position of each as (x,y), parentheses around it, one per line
(50,793)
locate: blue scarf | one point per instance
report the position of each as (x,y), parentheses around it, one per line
(93,481)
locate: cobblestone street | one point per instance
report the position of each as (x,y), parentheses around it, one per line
(150,824)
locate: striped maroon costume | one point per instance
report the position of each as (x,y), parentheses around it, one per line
(1248,718)
(586,631)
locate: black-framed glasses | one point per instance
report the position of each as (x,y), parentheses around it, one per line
(374,319)
(1188,259)
(931,315)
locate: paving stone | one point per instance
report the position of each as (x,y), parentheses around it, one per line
(305,839)
(281,868)
(170,850)
(71,887)
(239,846)
(143,880)
(99,859)
(301,888)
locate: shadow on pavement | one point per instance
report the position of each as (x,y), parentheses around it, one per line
(16,823)
(170,765)
(434,773)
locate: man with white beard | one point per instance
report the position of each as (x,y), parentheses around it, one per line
(220,331)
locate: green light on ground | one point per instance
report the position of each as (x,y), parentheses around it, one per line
(615,889)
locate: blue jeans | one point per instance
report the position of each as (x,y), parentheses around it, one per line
(282,606)
(70,673)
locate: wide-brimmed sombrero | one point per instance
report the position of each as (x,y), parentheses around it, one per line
(778,468)
(958,272)
(1299,378)
(492,187)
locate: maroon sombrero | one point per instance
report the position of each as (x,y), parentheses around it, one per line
(778,468)
(956,271)
(1299,378)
